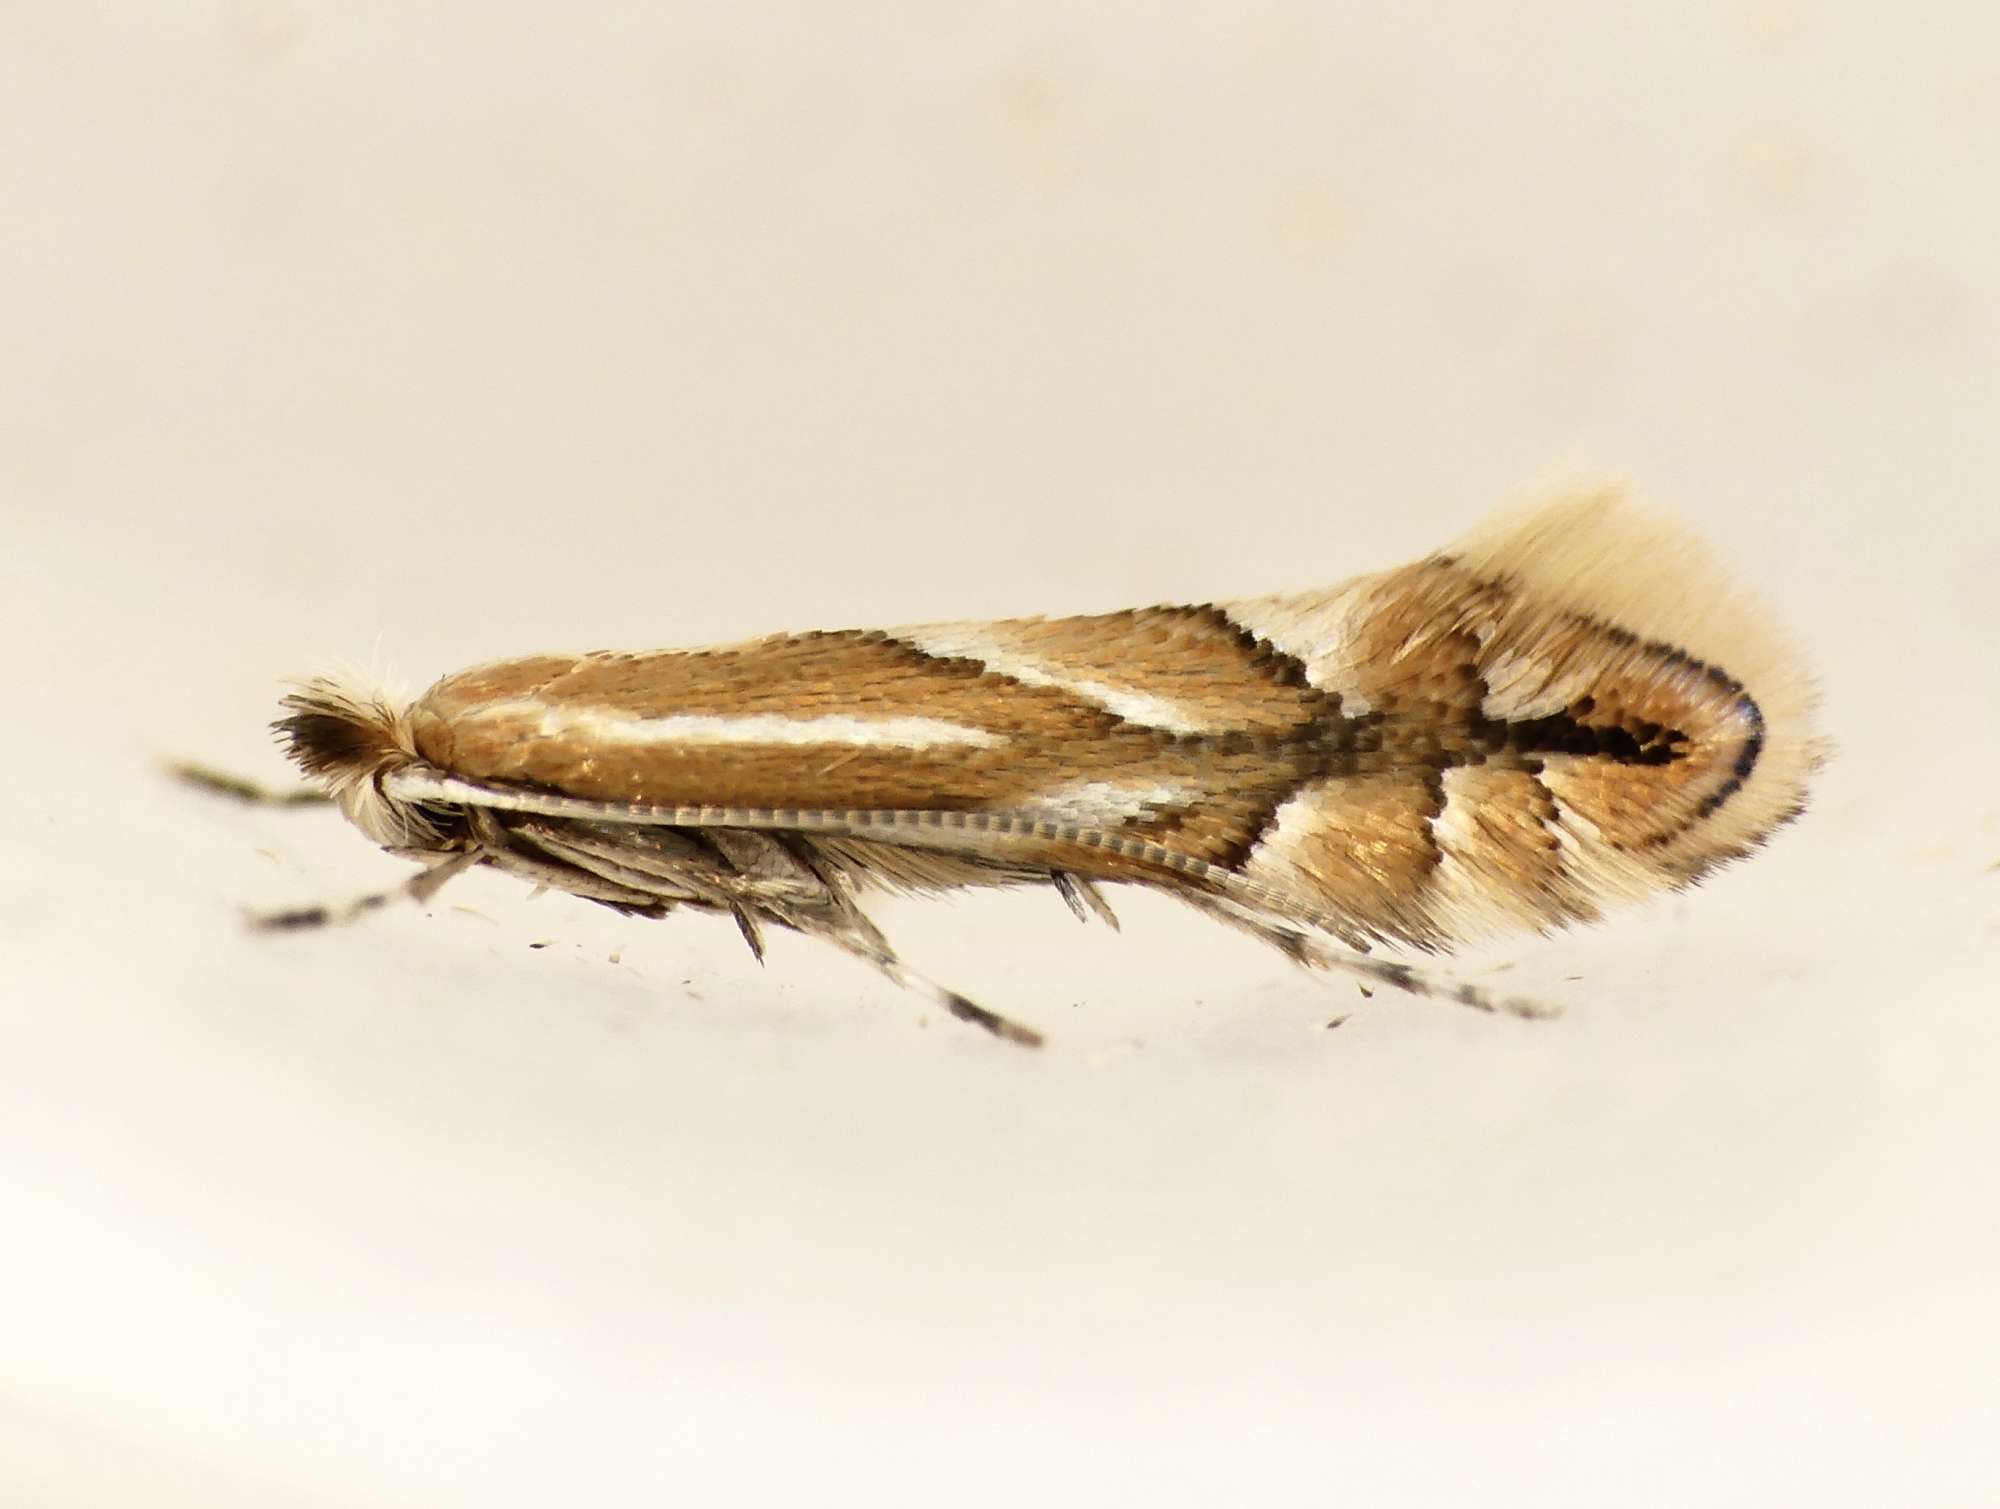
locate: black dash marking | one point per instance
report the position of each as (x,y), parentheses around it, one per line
(1561,733)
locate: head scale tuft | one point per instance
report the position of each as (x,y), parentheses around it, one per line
(349,739)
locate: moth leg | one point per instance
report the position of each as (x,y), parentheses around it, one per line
(830,925)
(767,869)
(753,934)
(547,875)
(1432,984)
(879,954)
(753,876)
(1294,943)
(240,789)
(1303,949)
(419,888)
(666,863)
(966,1010)
(834,918)
(841,923)
(1083,898)
(504,851)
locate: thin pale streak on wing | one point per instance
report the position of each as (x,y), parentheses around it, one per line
(1237,725)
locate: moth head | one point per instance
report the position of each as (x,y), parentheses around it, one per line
(348,740)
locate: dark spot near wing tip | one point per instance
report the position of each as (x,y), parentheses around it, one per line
(1564,733)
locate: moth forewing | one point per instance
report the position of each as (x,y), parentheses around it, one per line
(1569,710)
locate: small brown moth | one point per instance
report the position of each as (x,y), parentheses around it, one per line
(1571,708)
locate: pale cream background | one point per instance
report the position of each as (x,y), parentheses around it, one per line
(426,333)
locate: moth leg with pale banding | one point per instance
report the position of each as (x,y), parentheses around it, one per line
(754,877)
(419,888)
(749,875)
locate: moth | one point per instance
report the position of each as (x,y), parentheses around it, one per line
(1570,709)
